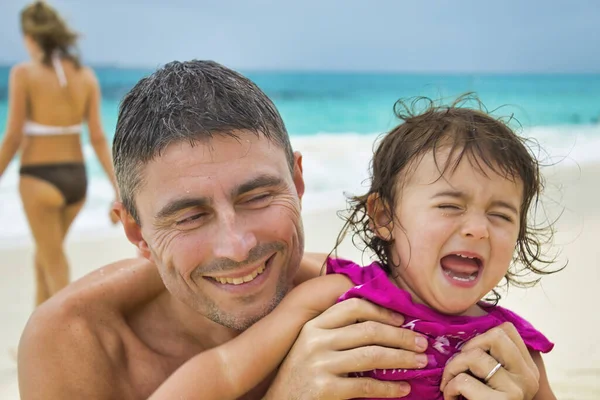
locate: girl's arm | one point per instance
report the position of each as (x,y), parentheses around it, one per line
(17,111)
(234,368)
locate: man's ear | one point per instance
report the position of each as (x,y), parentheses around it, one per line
(132,229)
(297,175)
(380,217)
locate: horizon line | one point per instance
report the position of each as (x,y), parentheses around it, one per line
(7,64)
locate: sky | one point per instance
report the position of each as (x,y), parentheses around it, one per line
(505,36)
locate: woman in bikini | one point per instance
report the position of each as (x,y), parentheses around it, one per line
(50,98)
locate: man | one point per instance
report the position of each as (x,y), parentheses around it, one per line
(211,195)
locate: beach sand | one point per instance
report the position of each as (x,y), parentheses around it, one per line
(562,306)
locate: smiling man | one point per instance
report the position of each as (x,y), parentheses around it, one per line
(211,196)
(243,211)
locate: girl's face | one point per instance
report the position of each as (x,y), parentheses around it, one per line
(453,235)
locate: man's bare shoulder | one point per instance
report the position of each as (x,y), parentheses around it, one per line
(311,266)
(115,288)
(72,343)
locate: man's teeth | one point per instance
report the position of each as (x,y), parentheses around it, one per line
(243,279)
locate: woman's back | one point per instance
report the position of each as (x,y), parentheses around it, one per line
(57,104)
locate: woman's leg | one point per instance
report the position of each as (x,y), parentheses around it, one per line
(69,214)
(44,207)
(41,291)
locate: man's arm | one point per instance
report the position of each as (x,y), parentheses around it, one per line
(71,348)
(545,391)
(60,357)
(351,336)
(234,368)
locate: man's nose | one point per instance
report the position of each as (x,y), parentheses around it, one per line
(234,239)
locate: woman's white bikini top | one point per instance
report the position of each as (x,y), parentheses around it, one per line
(35,129)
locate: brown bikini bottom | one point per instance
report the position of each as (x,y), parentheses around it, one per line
(69,178)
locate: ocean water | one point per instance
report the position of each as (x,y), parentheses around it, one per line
(334,119)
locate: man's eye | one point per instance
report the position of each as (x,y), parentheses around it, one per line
(190,219)
(260,198)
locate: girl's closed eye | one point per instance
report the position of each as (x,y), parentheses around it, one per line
(502,216)
(449,207)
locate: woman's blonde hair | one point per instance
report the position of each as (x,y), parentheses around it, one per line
(44,25)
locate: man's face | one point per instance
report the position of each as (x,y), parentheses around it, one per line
(222,222)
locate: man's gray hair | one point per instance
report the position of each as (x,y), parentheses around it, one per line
(187,101)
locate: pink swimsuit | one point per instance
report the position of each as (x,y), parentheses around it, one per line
(446,333)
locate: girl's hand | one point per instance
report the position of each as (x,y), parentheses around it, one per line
(493,365)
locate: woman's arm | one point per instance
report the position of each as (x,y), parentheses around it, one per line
(234,368)
(97,137)
(17,111)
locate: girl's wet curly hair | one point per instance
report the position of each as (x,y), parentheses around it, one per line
(469,132)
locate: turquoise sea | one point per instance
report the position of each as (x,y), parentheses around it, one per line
(334,118)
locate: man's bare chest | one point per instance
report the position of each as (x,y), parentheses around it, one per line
(139,368)
(148,370)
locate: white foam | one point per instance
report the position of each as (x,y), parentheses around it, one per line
(569,144)
(333,164)
(336,163)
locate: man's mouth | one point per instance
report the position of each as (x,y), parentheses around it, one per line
(243,275)
(242,279)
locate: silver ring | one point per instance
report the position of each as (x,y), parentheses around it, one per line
(493,372)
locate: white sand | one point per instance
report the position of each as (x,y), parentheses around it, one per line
(561,307)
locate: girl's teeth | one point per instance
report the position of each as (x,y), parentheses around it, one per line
(461,278)
(243,279)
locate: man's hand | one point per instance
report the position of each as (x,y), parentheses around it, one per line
(493,365)
(352,336)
